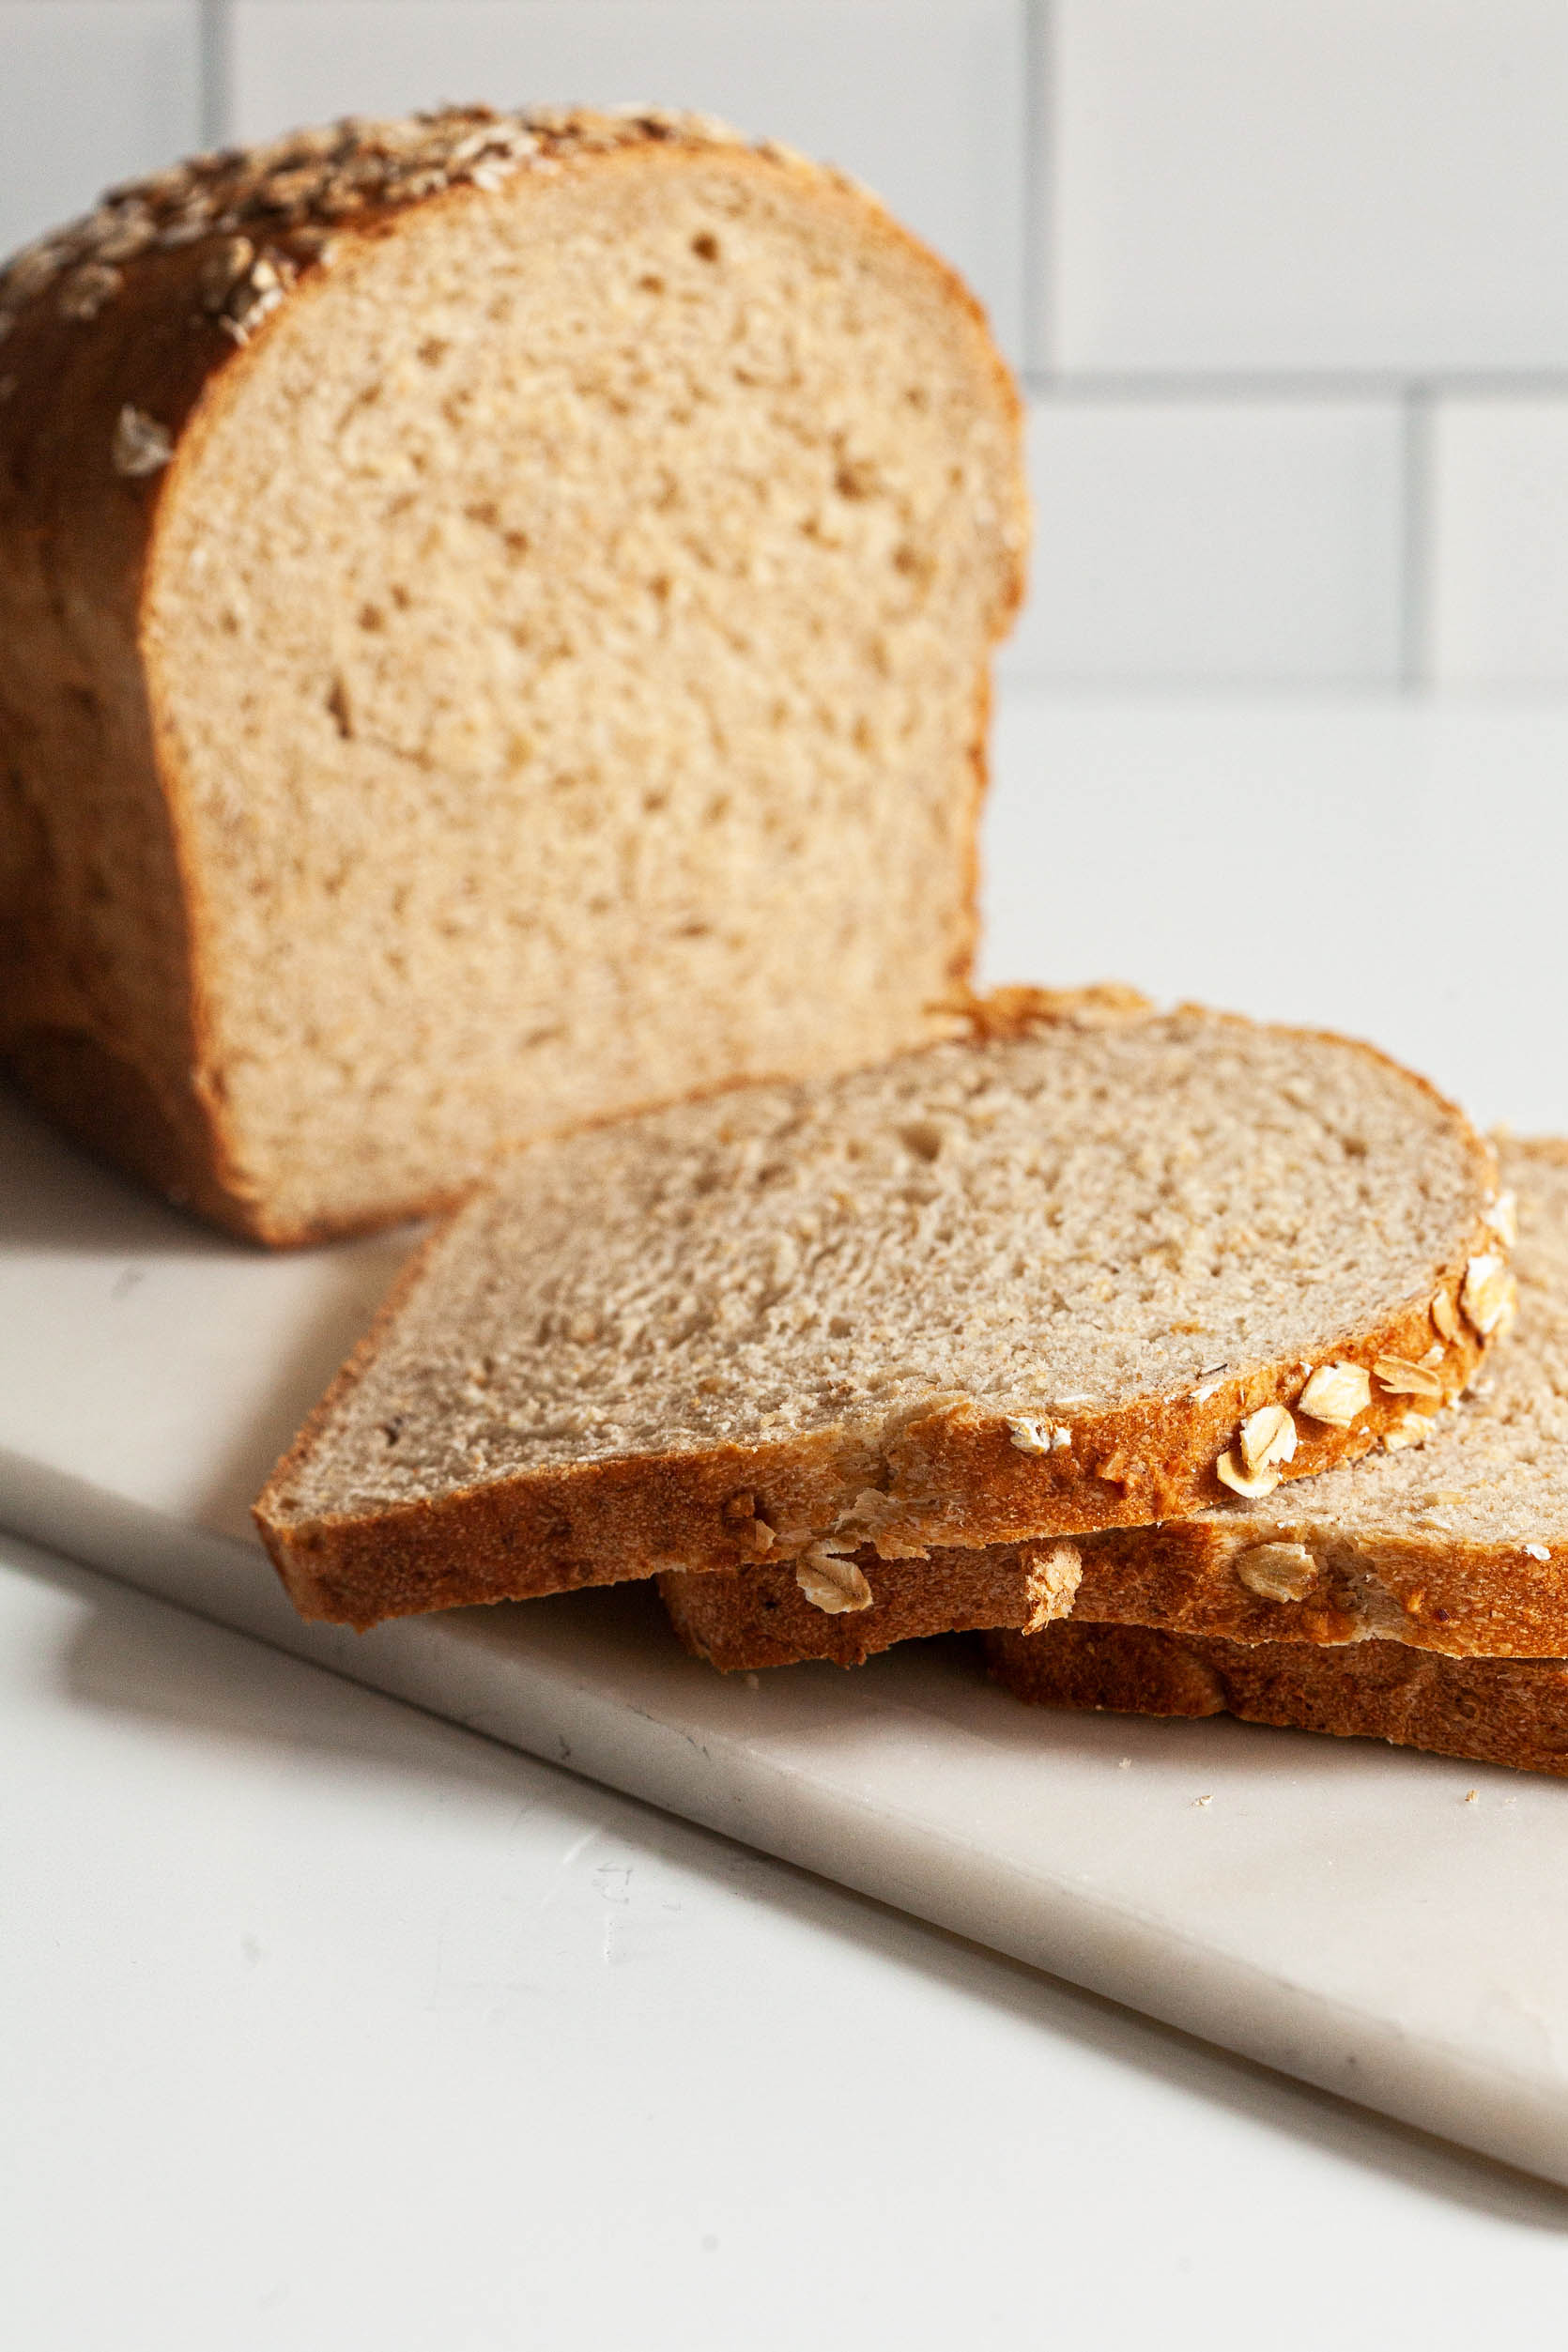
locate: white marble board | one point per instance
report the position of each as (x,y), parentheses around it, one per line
(1346,1912)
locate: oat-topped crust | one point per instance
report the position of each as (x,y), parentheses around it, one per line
(253,223)
(263,215)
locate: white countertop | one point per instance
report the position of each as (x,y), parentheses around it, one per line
(329,2023)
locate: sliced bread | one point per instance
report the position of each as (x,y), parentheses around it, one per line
(1451,1538)
(1078,1269)
(494,628)
(1491,1711)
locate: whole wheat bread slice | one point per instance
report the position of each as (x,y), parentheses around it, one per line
(1491,1711)
(1075,1271)
(495,617)
(1453,1538)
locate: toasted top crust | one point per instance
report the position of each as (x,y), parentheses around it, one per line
(260,217)
(1022,1285)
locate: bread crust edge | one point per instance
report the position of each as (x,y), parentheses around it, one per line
(1511,1711)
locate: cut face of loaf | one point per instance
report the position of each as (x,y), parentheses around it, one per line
(1451,1538)
(1073,1277)
(494,632)
(1491,1711)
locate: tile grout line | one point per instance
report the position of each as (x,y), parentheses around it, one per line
(1415,584)
(1039,137)
(1306,384)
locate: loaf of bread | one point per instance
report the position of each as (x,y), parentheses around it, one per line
(495,614)
(1074,1271)
(1453,1537)
(1491,1711)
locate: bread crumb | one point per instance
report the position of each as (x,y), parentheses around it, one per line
(1052,1584)
(1200,1801)
(1472,1796)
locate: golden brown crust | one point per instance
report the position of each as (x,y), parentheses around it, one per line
(949,1477)
(122,340)
(954,1470)
(1020,1007)
(1494,1711)
(1452,1599)
(1447,1598)
(740,1618)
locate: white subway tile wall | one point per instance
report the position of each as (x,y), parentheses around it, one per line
(1288,282)
(1499,542)
(1248,542)
(1367,185)
(90,91)
(924,100)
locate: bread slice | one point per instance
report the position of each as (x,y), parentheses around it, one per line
(1452,1538)
(494,629)
(1073,1271)
(1492,1711)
